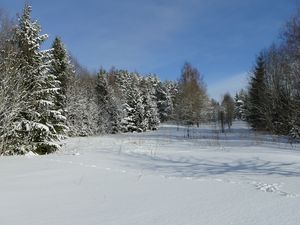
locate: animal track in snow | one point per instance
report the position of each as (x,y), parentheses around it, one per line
(274,188)
(270,188)
(267,187)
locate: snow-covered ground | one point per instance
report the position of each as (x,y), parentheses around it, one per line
(159,177)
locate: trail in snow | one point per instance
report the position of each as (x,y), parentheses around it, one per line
(273,188)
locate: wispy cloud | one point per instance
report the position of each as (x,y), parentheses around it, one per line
(158,36)
(232,85)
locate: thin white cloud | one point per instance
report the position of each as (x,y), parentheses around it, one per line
(232,85)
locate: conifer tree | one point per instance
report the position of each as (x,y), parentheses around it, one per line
(134,104)
(120,82)
(164,101)
(62,71)
(150,103)
(240,100)
(103,101)
(109,112)
(257,96)
(137,103)
(34,129)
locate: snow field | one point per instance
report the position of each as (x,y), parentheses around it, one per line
(158,177)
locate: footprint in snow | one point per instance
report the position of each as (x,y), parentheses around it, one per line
(274,188)
(268,187)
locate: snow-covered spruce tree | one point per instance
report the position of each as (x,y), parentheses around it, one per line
(121,82)
(62,71)
(172,89)
(151,114)
(109,112)
(134,108)
(115,112)
(164,101)
(102,96)
(82,109)
(135,95)
(240,105)
(135,99)
(34,130)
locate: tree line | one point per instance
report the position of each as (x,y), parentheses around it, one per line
(272,101)
(46,95)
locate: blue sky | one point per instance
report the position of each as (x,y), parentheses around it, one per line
(219,37)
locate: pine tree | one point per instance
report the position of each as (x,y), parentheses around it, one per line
(164,101)
(136,96)
(103,101)
(240,105)
(34,130)
(109,112)
(137,103)
(115,112)
(150,102)
(62,71)
(120,82)
(257,96)
(134,104)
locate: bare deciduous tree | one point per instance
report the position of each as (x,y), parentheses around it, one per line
(191,98)
(228,105)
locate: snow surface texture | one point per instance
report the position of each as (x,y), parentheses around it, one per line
(159,177)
